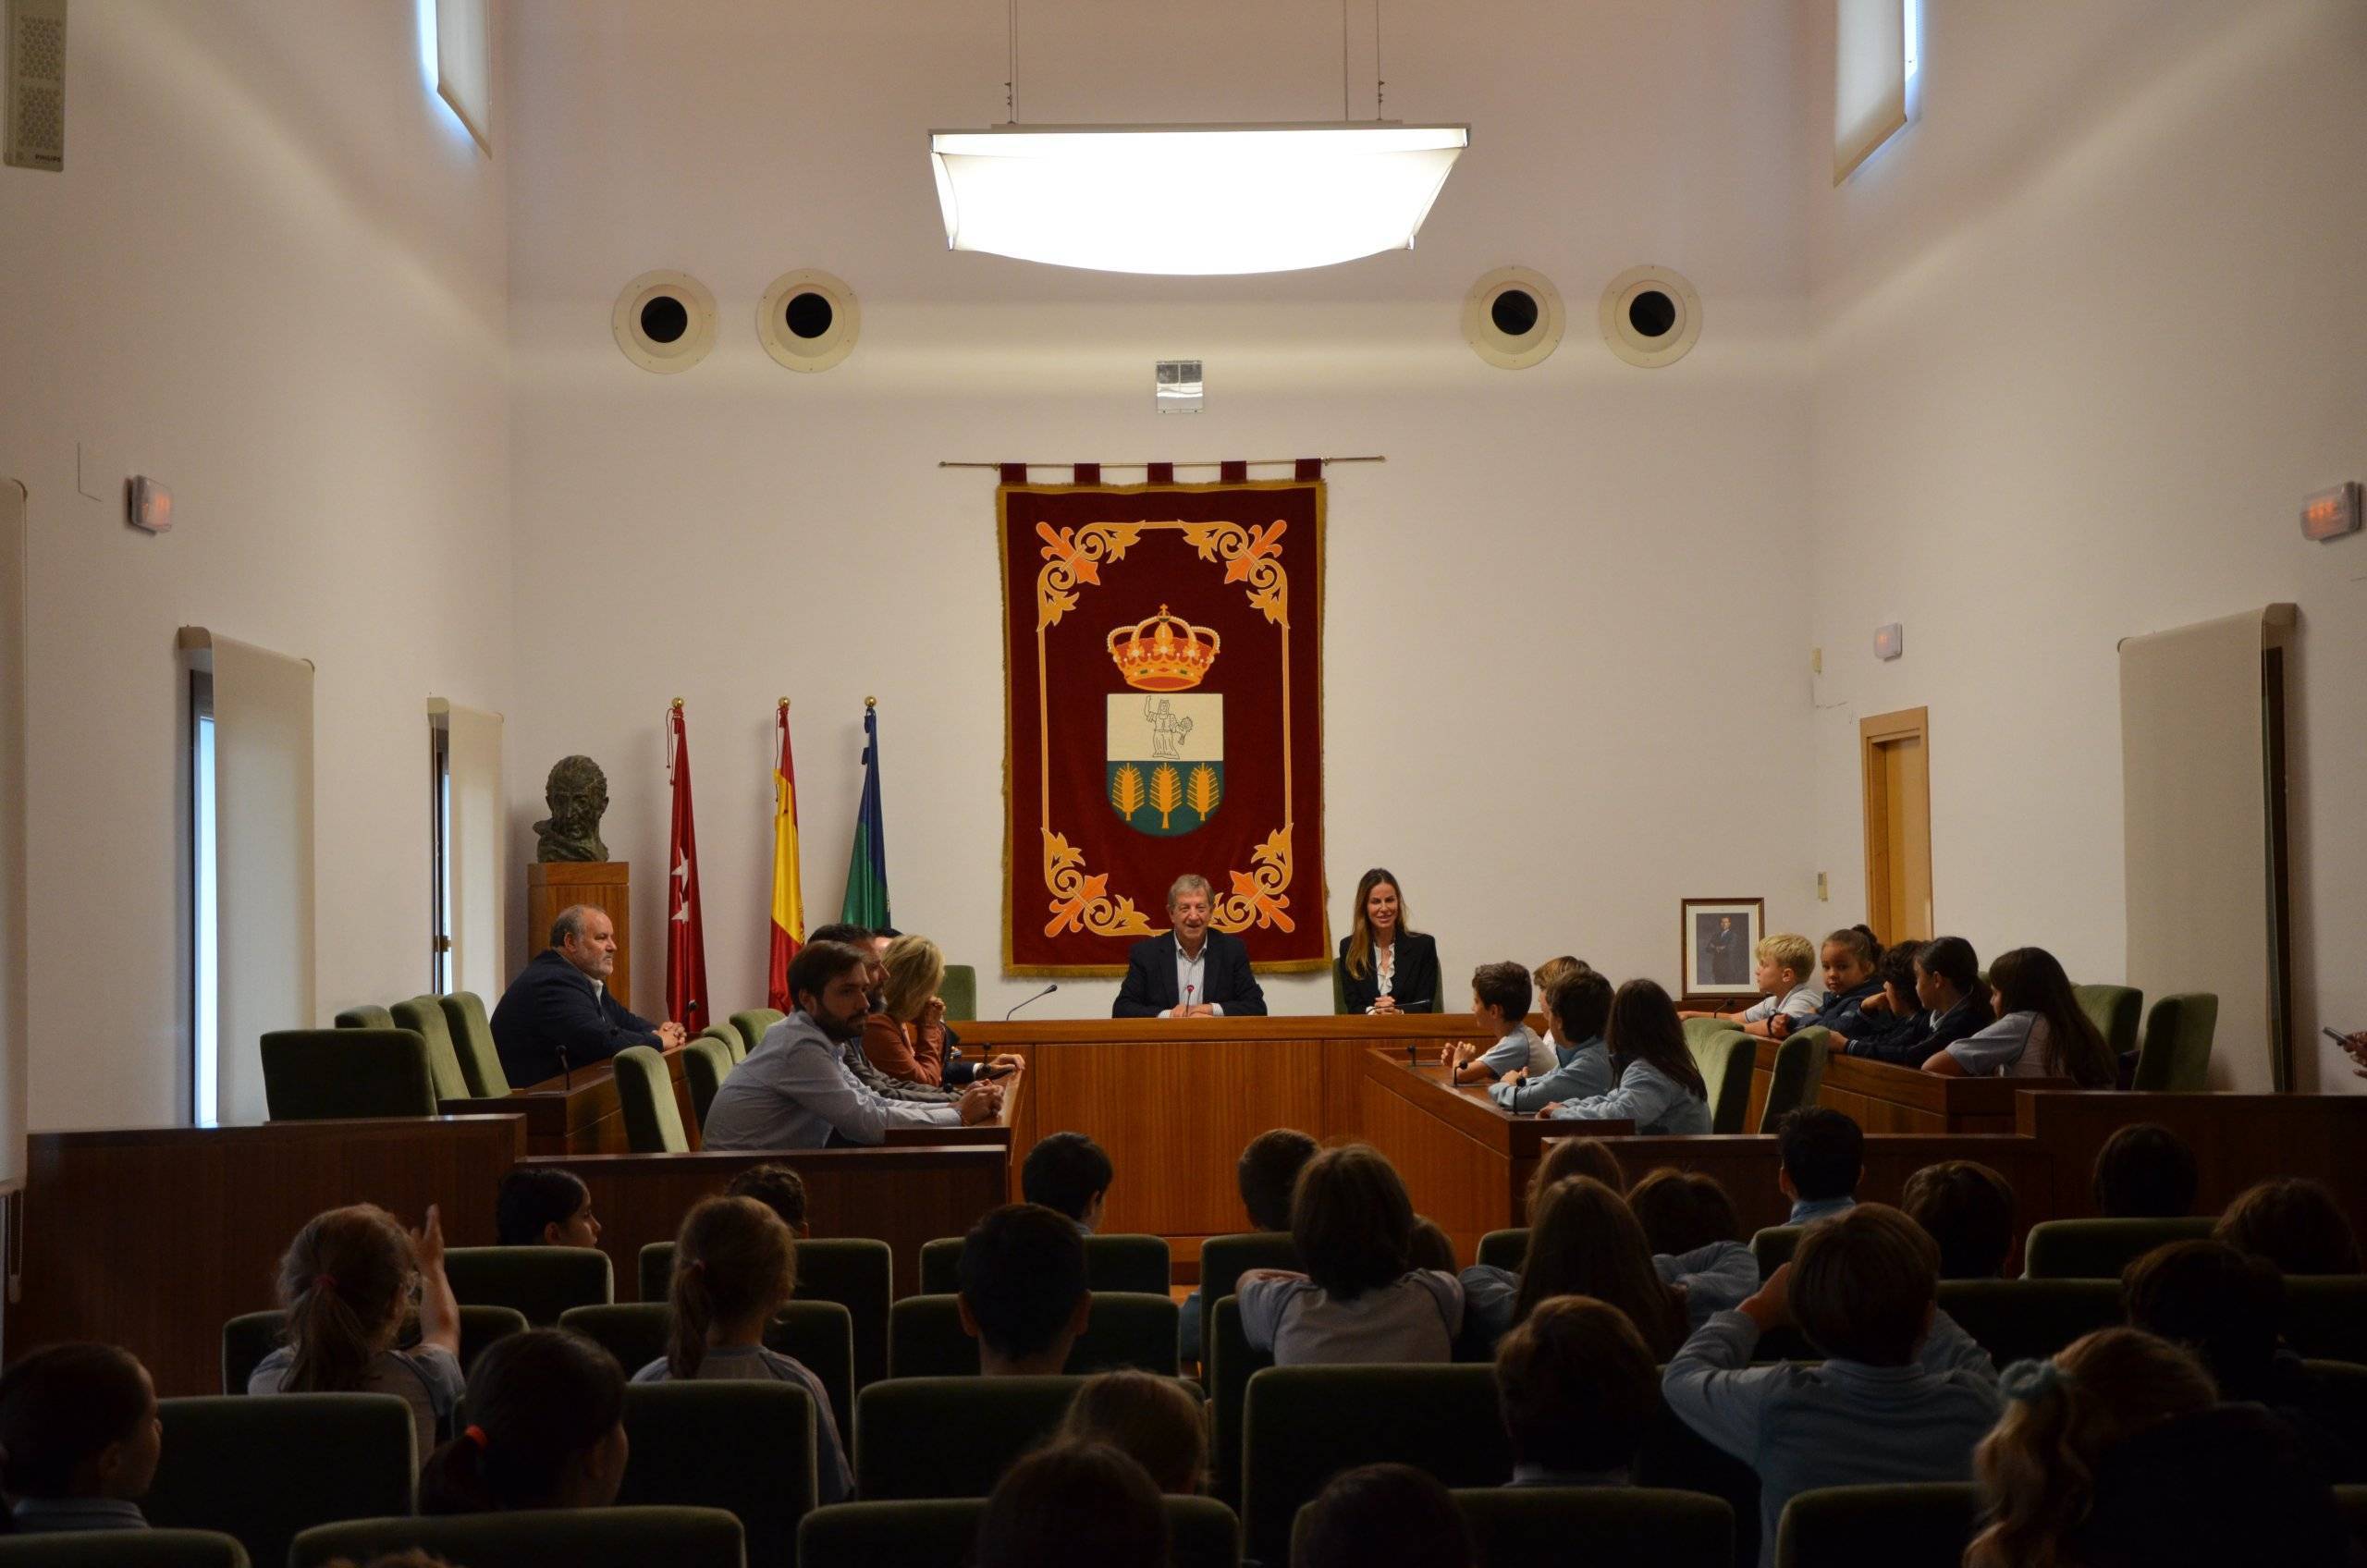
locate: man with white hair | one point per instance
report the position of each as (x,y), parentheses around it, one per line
(1191,972)
(559,1013)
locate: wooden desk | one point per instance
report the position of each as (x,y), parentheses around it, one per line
(997,1131)
(578,1112)
(154,1238)
(1888,1099)
(1466,1160)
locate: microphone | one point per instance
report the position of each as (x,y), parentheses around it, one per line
(1036,998)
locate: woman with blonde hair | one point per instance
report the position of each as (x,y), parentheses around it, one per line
(907,1039)
(1384,966)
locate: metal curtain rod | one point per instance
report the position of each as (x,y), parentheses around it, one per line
(1251,462)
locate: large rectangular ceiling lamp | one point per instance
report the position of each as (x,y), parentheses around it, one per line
(1197,199)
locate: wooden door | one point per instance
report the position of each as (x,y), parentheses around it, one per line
(1896,751)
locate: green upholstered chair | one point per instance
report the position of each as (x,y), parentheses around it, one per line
(1231,1363)
(2100,1249)
(646,1093)
(2018,1320)
(1224,1259)
(1112,1263)
(368,1015)
(1304,1425)
(540,1282)
(705,1064)
(1338,991)
(124,1549)
(926,1338)
(2325,1316)
(323,1074)
(818,1333)
(250,1336)
(425,1015)
(2352,1502)
(472,1042)
(941,1532)
(960,992)
(1926,1524)
(753,1023)
(2176,1054)
(950,1437)
(539,1538)
(1724,1056)
(1774,1246)
(857,1273)
(2114,1010)
(728,1037)
(264,1469)
(746,1446)
(1797,1075)
(1505,1249)
(1600,1527)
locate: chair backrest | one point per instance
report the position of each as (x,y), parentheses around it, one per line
(2100,1249)
(425,1015)
(939,1533)
(1127,1329)
(960,992)
(1224,1259)
(1507,1250)
(2325,1316)
(818,1333)
(1600,1527)
(646,1093)
(1231,1363)
(2176,1056)
(540,1282)
(368,1015)
(2350,1501)
(264,1469)
(950,1437)
(124,1549)
(1921,1525)
(1799,1073)
(1119,1262)
(745,1446)
(1773,1245)
(1304,1425)
(319,1075)
(751,1022)
(729,1038)
(2019,1319)
(250,1336)
(856,1273)
(1724,1055)
(473,1043)
(705,1064)
(2116,1011)
(540,1537)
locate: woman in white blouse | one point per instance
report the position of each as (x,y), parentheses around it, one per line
(1383,966)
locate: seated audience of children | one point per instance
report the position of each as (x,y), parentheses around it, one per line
(1074,1505)
(1949,1003)
(1024,1298)
(547,1429)
(80,1438)
(541,1206)
(1069,1174)
(1360,1299)
(1566,1157)
(2295,1223)
(2039,1031)
(1655,1085)
(1785,970)
(1683,1211)
(1158,1422)
(2144,1171)
(1823,1152)
(1383,1514)
(1852,960)
(1968,1210)
(1266,1172)
(1579,1005)
(1579,1390)
(1500,997)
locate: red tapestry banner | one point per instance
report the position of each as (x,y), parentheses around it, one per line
(1163,714)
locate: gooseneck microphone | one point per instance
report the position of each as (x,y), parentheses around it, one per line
(1036,998)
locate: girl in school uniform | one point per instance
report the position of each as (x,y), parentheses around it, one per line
(79,1438)
(2040,1030)
(346,1283)
(735,1267)
(1953,1001)
(546,1431)
(1360,1299)
(1656,1084)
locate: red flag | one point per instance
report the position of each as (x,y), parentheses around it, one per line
(685,931)
(788,899)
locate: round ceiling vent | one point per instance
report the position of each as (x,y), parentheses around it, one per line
(665,322)
(1650,316)
(808,320)
(1512,318)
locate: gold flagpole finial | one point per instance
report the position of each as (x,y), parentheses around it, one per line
(784,702)
(871,702)
(678,704)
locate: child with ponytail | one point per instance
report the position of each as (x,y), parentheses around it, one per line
(546,1430)
(347,1283)
(735,1267)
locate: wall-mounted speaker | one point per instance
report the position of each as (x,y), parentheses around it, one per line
(665,322)
(1650,316)
(808,320)
(1512,318)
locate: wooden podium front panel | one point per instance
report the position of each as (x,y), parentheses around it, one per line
(553,885)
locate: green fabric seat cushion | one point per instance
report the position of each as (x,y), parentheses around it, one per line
(368,1015)
(472,1042)
(2021,1319)
(705,1064)
(264,1469)
(818,1333)
(1600,1527)
(1923,1524)
(2100,1249)
(940,1533)
(124,1549)
(1797,1075)
(742,1445)
(646,1093)
(960,992)
(950,1437)
(753,1023)
(1224,1259)
(2116,1010)
(2176,1054)
(856,1273)
(1118,1262)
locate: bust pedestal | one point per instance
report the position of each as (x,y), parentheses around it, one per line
(552,885)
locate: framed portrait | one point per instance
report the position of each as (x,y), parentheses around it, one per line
(1719,935)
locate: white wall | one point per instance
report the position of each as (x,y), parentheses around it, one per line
(272,277)
(2085,336)
(1566,667)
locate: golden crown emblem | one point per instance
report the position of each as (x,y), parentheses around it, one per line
(1164,653)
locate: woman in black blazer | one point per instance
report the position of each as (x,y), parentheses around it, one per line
(1385,967)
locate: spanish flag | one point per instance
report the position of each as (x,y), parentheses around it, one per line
(789,904)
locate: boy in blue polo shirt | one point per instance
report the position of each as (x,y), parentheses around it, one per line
(1500,995)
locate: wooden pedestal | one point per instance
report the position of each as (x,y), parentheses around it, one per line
(553,885)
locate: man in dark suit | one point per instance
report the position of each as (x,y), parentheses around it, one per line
(559,1012)
(1191,972)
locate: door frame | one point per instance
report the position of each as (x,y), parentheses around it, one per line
(1873,733)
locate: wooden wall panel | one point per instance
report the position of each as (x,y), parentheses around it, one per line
(1454,1179)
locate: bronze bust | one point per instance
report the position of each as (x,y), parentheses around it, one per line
(577,793)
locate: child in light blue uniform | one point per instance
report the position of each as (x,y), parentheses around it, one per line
(1499,997)
(79,1438)
(1658,1088)
(1579,1006)
(1357,1301)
